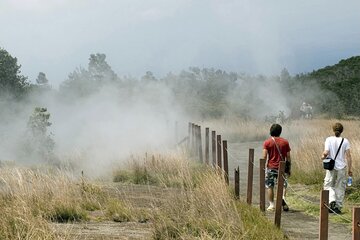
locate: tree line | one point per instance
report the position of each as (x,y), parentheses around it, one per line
(205,92)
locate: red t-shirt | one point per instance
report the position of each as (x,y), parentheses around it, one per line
(273,153)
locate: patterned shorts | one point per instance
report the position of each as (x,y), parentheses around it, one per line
(271,178)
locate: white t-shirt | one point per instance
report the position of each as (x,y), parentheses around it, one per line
(332,144)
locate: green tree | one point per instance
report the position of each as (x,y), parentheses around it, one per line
(285,75)
(11,82)
(39,141)
(99,69)
(84,82)
(148,77)
(78,84)
(334,90)
(42,79)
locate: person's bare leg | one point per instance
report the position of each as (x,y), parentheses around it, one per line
(270,195)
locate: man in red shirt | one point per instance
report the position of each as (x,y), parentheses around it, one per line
(275,149)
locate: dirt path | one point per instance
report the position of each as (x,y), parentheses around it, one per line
(104,230)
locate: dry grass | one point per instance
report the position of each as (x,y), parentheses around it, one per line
(308,139)
(239,130)
(202,207)
(31,199)
(25,197)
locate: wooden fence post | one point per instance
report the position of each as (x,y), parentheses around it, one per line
(324,215)
(213,149)
(356,224)
(262,184)
(226,164)
(197,141)
(279,195)
(219,160)
(207,150)
(237,182)
(250,176)
(200,145)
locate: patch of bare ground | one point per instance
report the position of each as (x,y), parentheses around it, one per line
(139,196)
(104,230)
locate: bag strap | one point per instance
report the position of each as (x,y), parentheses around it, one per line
(342,140)
(277,147)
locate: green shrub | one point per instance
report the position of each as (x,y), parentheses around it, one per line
(92,197)
(122,176)
(353,193)
(70,213)
(137,175)
(118,211)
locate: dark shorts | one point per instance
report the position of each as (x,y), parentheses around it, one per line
(271,176)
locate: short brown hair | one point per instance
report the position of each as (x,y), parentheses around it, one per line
(338,129)
(275,130)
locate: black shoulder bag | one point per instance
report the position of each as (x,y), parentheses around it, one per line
(287,163)
(328,162)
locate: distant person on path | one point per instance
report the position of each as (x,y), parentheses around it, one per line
(306,111)
(275,149)
(303,109)
(335,180)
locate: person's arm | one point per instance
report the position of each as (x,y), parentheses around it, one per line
(288,164)
(325,154)
(265,153)
(349,161)
(288,157)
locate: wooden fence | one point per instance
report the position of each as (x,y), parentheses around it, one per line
(219,160)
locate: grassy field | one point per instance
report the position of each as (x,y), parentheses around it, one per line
(200,206)
(32,199)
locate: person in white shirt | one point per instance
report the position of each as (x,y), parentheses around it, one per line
(335,180)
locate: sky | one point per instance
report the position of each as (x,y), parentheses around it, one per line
(250,36)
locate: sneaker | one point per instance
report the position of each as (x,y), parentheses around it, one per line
(332,206)
(270,208)
(285,206)
(337,210)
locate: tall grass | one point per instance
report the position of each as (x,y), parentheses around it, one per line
(201,206)
(308,145)
(30,199)
(23,204)
(235,130)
